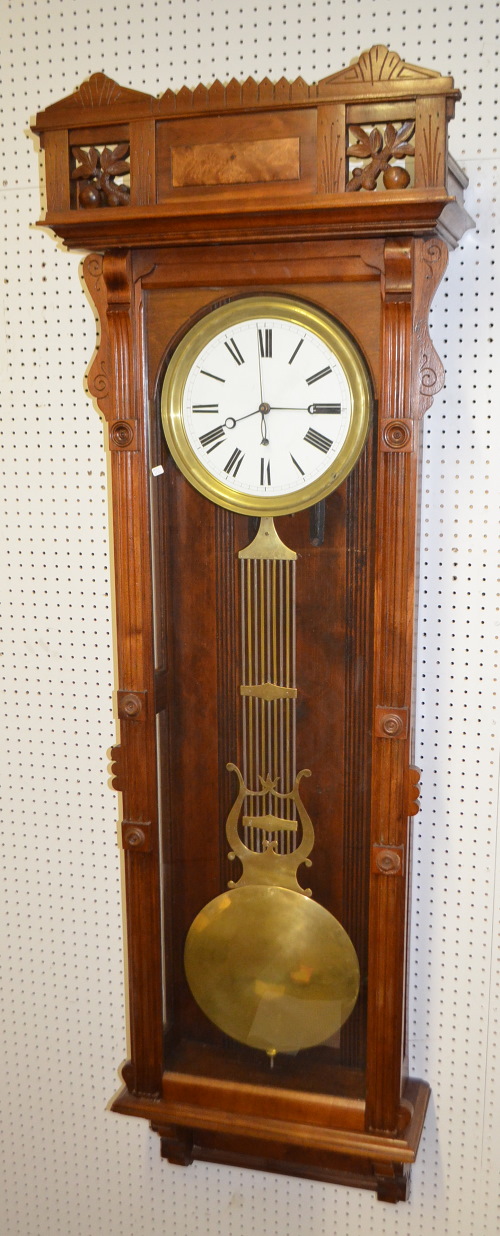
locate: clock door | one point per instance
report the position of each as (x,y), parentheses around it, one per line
(327,619)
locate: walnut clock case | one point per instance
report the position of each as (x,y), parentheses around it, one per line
(262,260)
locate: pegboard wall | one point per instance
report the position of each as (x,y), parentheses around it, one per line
(68,1167)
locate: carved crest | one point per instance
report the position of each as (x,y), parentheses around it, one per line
(379,64)
(99,91)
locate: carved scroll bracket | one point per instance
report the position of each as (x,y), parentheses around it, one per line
(397,284)
(109,378)
(99,372)
(118,328)
(427,372)
(116,274)
(395,426)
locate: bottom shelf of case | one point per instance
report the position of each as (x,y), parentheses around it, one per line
(279,1131)
(391,1185)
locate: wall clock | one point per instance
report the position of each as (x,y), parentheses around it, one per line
(262,260)
(283,420)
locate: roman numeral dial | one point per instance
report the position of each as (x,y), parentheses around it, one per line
(266,405)
(265,341)
(318,439)
(322,373)
(213,438)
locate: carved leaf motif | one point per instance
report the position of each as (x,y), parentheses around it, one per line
(397,141)
(379,151)
(100,167)
(112,161)
(89,160)
(375,141)
(361,148)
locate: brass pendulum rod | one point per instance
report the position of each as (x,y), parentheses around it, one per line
(269,688)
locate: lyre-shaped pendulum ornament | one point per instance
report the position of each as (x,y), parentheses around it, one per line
(267,964)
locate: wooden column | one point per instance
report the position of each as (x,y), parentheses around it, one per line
(393,621)
(111,380)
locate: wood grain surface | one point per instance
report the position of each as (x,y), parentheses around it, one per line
(233,189)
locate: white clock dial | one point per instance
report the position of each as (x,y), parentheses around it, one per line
(266,405)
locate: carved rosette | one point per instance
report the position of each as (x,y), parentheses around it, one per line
(391,722)
(136,836)
(132,705)
(388,860)
(397,434)
(122,435)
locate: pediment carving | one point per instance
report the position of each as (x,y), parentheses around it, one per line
(378,64)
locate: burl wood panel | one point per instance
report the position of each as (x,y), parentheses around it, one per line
(230,163)
(254,150)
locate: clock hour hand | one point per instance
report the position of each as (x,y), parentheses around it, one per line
(322,409)
(262,410)
(232,421)
(314,409)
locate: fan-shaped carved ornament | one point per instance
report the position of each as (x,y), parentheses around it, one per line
(379,64)
(99,91)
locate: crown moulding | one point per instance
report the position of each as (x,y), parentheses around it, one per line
(378,73)
(252,160)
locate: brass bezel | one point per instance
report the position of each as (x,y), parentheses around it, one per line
(223,317)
